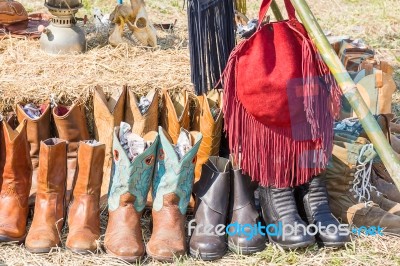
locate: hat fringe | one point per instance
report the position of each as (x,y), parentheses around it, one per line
(270,155)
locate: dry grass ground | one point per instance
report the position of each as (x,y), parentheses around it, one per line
(26,73)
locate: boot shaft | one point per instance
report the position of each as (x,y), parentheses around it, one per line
(142,123)
(107,115)
(52,173)
(90,174)
(175,113)
(209,125)
(214,185)
(133,177)
(71,125)
(15,163)
(37,129)
(174,175)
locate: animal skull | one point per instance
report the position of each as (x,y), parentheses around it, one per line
(143,30)
(135,16)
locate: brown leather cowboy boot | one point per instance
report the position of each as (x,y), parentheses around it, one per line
(208,121)
(84,212)
(38,129)
(71,126)
(48,218)
(172,186)
(348,187)
(15,174)
(107,115)
(142,123)
(175,113)
(130,185)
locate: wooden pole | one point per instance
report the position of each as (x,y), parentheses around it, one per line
(276,11)
(374,132)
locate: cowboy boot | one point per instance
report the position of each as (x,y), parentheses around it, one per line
(15,174)
(279,208)
(243,211)
(172,187)
(84,212)
(107,115)
(313,200)
(127,198)
(175,113)
(146,122)
(212,199)
(71,126)
(48,218)
(208,121)
(348,188)
(38,129)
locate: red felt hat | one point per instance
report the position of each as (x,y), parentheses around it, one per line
(280,101)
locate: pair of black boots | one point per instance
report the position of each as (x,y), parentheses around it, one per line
(224,196)
(298,208)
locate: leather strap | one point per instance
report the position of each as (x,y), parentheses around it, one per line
(267,3)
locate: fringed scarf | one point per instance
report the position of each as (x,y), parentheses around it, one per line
(211,39)
(280,101)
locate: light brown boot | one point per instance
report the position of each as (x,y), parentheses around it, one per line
(349,186)
(142,123)
(38,129)
(175,113)
(48,218)
(107,115)
(84,212)
(71,126)
(15,174)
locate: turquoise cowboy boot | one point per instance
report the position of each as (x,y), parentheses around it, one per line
(127,199)
(172,187)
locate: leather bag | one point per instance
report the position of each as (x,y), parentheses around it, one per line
(280,103)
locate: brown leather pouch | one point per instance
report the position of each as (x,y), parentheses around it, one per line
(13,14)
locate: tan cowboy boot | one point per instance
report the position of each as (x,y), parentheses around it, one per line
(84,212)
(130,185)
(71,126)
(107,115)
(172,187)
(142,123)
(349,186)
(38,129)
(48,218)
(208,121)
(15,180)
(175,113)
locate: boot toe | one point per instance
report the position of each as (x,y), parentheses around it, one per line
(208,247)
(40,245)
(164,251)
(333,239)
(81,243)
(245,246)
(125,249)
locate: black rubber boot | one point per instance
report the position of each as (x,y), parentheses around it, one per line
(242,210)
(279,209)
(212,199)
(314,199)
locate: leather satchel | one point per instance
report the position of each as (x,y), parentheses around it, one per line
(280,101)
(13,15)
